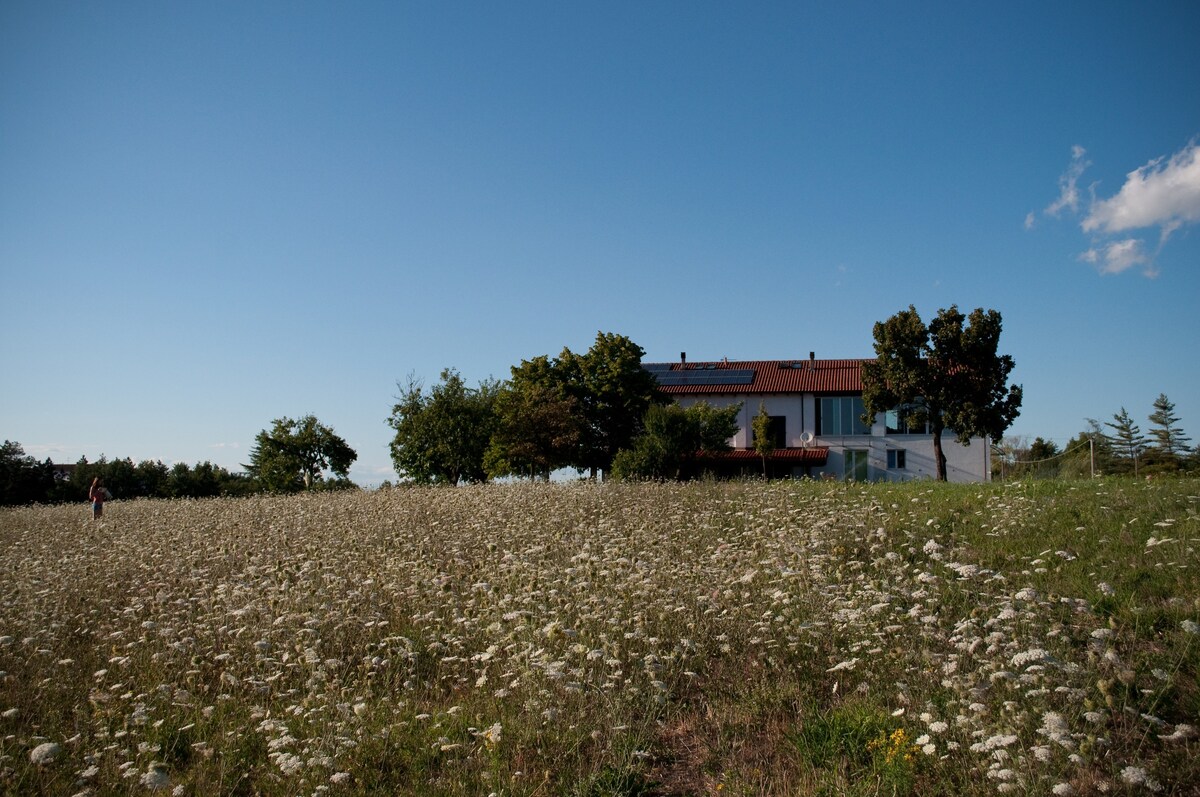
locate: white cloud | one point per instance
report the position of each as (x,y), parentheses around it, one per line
(226,445)
(1117,256)
(1068,185)
(1164,195)
(1030,218)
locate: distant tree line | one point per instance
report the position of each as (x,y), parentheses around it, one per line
(293,455)
(25,480)
(1116,447)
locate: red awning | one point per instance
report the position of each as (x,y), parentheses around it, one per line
(813,455)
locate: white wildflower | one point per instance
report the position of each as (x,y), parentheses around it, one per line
(1139,776)
(156,777)
(1182,731)
(1190,627)
(491,736)
(1031,656)
(44,753)
(843,665)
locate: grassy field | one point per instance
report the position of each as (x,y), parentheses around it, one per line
(786,638)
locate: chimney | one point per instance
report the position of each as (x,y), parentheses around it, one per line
(683,358)
(812,361)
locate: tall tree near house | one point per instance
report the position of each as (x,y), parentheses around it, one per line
(611,394)
(537,430)
(1127,440)
(442,436)
(295,455)
(614,393)
(1168,437)
(948,374)
(764,441)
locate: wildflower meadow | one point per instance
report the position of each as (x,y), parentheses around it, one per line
(747,638)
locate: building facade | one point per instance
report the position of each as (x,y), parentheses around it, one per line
(815,408)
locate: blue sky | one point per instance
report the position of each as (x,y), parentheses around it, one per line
(217,214)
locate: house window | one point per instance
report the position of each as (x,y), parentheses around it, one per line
(842,415)
(854,464)
(896,459)
(778,431)
(896,421)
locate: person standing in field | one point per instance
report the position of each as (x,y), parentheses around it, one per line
(98,494)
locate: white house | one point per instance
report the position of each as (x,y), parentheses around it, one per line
(816,408)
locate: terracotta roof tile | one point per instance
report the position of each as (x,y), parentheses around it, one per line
(770,376)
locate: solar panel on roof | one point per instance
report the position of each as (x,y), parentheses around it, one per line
(730,376)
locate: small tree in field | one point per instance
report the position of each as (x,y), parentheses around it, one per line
(1127,440)
(1168,437)
(674,438)
(442,435)
(295,454)
(948,375)
(764,440)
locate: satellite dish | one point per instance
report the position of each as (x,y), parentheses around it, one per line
(806,439)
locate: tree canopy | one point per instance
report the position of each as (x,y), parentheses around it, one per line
(1126,440)
(947,374)
(1166,432)
(295,454)
(607,391)
(537,430)
(674,438)
(442,436)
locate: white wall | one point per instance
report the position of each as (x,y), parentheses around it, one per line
(971,463)
(963,463)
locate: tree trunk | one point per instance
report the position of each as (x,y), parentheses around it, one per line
(938,456)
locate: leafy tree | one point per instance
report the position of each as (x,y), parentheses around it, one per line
(614,393)
(121,479)
(295,455)
(23,480)
(1042,457)
(764,440)
(947,375)
(537,430)
(1168,437)
(674,438)
(153,478)
(443,436)
(1127,441)
(611,394)
(1016,457)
